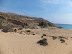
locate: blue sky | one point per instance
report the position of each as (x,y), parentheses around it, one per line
(56,11)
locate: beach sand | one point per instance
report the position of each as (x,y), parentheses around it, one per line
(23,43)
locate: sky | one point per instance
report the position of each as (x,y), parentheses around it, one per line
(56,11)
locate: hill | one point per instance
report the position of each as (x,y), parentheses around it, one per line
(12,20)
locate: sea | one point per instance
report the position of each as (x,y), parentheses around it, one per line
(65,26)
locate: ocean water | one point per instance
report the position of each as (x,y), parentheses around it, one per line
(65,26)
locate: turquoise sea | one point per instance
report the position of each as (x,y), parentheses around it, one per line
(65,26)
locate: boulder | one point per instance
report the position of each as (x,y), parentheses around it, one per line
(62,40)
(43,42)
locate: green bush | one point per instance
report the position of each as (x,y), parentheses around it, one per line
(43,24)
(28,31)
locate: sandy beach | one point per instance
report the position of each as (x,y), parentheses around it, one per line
(35,26)
(23,43)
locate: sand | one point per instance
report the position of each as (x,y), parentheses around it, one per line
(23,43)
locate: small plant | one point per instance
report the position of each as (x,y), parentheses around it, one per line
(28,31)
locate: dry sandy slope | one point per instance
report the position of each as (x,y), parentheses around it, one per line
(15,43)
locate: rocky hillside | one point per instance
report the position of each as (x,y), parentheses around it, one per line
(18,21)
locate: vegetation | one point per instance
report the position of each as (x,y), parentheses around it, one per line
(43,24)
(28,31)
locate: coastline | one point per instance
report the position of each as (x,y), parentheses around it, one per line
(65,26)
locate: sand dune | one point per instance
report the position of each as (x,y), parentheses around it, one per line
(15,43)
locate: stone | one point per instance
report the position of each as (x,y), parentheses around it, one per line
(43,42)
(62,40)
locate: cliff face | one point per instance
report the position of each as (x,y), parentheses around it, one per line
(14,20)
